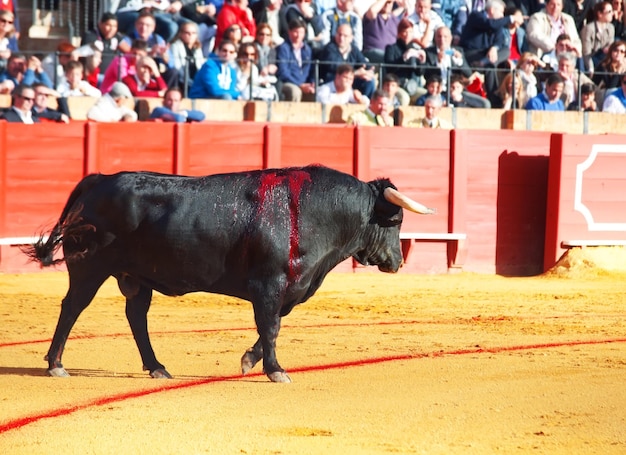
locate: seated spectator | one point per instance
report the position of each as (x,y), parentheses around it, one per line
(91,68)
(587,99)
(377,114)
(250,83)
(580,10)
(446,60)
(11,6)
(405,60)
(54,63)
(563,44)
(339,90)
(266,52)
(458,94)
(397,97)
(432,107)
(166,15)
(434,88)
(303,11)
(40,105)
(186,56)
(123,65)
(515,35)
(293,59)
(597,35)
(235,12)
(74,84)
(619,19)
(157,47)
(550,98)
(267,13)
(22,101)
(503,98)
(341,14)
(110,107)
(425,21)
(526,67)
(106,37)
(545,26)
(454,15)
(217,78)
(26,72)
(380,27)
(171,111)
(343,50)
(147,81)
(234,35)
(615,102)
(607,75)
(8,41)
(484,39)
(572,78)
(204,14)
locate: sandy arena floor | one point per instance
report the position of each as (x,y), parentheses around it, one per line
(458,364)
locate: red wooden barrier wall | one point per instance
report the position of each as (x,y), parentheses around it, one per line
(491,185)
(587,193)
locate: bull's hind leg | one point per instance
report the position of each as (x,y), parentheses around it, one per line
(138,298)
(83,287)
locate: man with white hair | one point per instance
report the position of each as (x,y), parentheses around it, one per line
(111,108)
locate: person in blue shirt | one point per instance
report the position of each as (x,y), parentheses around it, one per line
(217,77)
(550,98)
(26,72)
(171,111)
(293,59)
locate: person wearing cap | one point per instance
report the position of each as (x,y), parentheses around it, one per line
(110,108)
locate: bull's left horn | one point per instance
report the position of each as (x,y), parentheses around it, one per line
(396,197)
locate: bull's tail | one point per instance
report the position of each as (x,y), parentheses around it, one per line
(69,223)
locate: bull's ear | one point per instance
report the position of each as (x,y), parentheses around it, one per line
(385,213)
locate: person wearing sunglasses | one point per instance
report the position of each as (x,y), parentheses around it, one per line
(217,78)
(8,41)
(615,103)
(21,106)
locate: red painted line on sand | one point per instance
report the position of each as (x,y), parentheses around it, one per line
(23,421)
(312,326)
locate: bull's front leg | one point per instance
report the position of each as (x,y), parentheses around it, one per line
(268,325)
(251,357)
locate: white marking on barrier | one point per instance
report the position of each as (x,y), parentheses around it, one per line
(578,189)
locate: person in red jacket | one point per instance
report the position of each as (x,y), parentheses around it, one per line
(147,82)
(235,12)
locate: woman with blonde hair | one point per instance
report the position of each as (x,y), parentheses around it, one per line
(8,41)
(526,67)
(503,97)
(250,83)
(185,53)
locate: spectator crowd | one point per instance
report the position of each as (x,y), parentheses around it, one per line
(552,55)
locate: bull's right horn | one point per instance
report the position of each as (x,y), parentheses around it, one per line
(397,198)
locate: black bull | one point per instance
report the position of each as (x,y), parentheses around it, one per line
(269,237)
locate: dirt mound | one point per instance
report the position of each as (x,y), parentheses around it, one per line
(591,260)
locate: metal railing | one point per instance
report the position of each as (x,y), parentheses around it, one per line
(77,16)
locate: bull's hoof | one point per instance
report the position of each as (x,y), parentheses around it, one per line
(279,376)
(58,372)
(248,361)
(161,373)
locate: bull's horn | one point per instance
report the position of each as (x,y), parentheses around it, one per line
(397,198)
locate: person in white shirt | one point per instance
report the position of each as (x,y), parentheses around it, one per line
(74,84)
(615,103)
(339,90)
(110,107)
(425,22)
